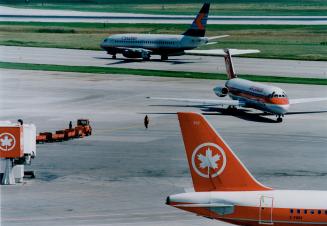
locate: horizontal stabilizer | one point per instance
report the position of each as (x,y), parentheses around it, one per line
(204,205)
(211,43)
(217,37)
(220,52)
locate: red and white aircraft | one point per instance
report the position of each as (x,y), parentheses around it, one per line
(225,190)
(245,93)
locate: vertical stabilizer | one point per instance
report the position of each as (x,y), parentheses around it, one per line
(229,65)
(213,165)
(198,27)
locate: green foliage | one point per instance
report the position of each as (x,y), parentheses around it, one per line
(159,73)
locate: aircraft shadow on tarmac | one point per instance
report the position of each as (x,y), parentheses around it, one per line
(126,61)
(241,113)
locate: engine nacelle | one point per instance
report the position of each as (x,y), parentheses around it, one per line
(136,53)
(221,91)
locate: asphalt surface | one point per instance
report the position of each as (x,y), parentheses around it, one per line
(292,68)
(17,14)
(122,174)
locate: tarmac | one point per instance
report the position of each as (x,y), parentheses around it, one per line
(254,66)
(122,174)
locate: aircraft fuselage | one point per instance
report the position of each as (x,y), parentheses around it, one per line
(157,44)
(259,96)
(274,207)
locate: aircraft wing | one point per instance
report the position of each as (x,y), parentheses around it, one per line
(202,101)
(133,49)
(220,52)
(306,100)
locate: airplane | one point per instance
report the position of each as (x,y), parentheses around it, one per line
(145,45)
(245,93)
(225,190)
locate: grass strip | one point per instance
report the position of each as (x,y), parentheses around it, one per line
(158,73)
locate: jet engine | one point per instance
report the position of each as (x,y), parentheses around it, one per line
(221,91)
(136,53)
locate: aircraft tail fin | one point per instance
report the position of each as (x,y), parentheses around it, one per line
(229,65)
(198,27)
(213,165)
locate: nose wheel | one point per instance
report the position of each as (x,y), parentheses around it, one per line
(279,119)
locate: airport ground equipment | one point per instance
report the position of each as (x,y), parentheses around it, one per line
(17,148)
(82,129)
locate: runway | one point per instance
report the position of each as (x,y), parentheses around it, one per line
(122,174)
(38,15)
(255,66)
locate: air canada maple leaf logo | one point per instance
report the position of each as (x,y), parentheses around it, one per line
(208,160)
(7,142)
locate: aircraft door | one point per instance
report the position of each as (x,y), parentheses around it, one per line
(266,210)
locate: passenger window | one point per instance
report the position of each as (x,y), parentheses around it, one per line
(325,211)
(312,211)
(305,211)
(291,211)
(319,211)
(298,211)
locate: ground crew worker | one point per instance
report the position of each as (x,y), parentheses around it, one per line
(146,121)
(20,121)
(70,125)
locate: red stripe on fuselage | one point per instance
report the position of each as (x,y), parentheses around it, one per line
(244,215)
(259,98)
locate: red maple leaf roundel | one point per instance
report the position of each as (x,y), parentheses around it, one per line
(208,160)
(7,142)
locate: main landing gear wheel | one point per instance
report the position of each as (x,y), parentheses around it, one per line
(146,58)
(114,56)
(164,57)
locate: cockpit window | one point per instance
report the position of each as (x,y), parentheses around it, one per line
(105,40)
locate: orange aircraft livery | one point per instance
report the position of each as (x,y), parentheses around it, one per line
(225,190)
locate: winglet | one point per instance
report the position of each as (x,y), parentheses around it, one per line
(213,165)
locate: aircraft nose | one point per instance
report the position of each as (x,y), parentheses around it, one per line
(168,200)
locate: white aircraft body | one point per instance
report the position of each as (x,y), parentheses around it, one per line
(245,93)
(225,190)
(145,45)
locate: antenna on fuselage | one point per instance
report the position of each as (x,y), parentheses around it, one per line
(229,65)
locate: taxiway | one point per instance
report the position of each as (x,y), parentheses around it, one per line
(39,15)
(122,174)
(254,66)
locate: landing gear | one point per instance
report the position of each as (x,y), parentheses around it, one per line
(279,119)
(114,56)
(164,57)
(146,57)
(231,108)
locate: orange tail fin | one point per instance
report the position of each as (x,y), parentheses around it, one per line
(213,165)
